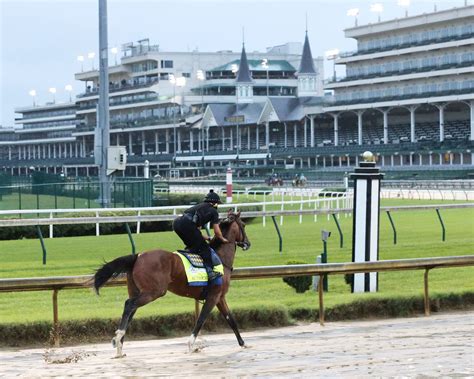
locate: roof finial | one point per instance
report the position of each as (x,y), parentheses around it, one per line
(243,36)
(306,15)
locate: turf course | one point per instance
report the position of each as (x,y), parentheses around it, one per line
(419,235)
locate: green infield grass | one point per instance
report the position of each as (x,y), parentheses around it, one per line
(419,236)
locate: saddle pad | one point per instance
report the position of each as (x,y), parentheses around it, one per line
(197,276)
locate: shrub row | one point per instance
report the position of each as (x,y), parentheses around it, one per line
(93,330)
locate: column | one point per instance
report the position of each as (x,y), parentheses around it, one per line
(49,151)
(157,148)
(143,143)
(295,135)
(412,110)
(311,125)
(191,141)
(9,153)
(54,151)
(248,138)
(336,128)
(179,139)
(385,126)
(305,133)
(359,126)
(76,151)
(285,142)
(431,159)
(70,150)
(167,141)
(441,121)
(231,140)
(258,138)
(461,158)
(471,136)
(223,138)
(130,147)
(420,157)
(200,139)
(267,135)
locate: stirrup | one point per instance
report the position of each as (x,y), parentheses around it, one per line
(211,274)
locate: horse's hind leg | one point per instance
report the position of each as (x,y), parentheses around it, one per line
(130,307)
(205,311)
(225,311)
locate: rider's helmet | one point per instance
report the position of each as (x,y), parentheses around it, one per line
(212,198)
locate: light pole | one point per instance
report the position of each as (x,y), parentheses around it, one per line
(235,69)
(33,95)
(265,66)
(180,82)
(353,12)
(52,90)
(114,51)
(200,76)
(405,4)
(80,58)
(333,54)
(68,88)
(377,8)
(91,56)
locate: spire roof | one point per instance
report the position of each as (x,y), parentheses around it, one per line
(244,73)
(307,63)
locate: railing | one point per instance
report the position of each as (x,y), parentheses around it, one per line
(74,282)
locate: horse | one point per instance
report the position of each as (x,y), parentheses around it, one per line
(151,274)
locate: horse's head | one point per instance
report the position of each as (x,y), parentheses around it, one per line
(237,226)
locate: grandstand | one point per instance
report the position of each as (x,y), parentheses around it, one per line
(408,96)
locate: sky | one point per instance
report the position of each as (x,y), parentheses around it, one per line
(40,40)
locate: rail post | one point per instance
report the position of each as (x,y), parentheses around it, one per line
(130,237)
(280,239)
(393,228)
(341,236)
(56,332)
(426,294)
(442,225)
(320,295)
(43,247)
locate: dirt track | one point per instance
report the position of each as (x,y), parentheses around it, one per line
(440,345)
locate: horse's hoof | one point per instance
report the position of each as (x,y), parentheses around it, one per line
(118,356)
(114,343)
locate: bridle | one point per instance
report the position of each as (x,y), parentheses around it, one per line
(244,245)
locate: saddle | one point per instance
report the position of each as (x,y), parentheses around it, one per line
(195,269)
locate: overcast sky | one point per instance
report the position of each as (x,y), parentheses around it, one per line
(40,40)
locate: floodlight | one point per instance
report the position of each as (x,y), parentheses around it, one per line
(91,55)
(52,90)
(80,58)
(234,68)
(181,81)
(200,75)
(353,12)
(404,3)
(68,88)
(114,50)
(172,79)
(32,93)
(332,54)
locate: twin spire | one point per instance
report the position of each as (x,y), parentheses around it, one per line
(306,75)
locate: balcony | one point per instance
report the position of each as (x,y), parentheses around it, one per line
(124,85)
(405,45)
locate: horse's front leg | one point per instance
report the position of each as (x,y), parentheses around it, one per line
(203,315)
(225,311)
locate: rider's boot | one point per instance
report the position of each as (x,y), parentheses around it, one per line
(211,274)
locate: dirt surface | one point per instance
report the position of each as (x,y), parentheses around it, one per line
(440,345)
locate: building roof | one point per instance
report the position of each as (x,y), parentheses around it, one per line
(256,65)
(287,109)
(251,112)
(307,63)
(243,76)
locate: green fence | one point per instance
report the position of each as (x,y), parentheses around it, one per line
(77,194)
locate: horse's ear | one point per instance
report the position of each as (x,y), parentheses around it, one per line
(229,211)
(238,213)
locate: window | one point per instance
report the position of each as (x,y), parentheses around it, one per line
(166,64)
(186,75)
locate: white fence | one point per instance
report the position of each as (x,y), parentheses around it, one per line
(427,194)
(51,217)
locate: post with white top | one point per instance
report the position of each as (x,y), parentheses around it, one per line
(365,239)
(229,185)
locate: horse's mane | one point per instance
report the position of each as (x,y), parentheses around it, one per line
(224,224)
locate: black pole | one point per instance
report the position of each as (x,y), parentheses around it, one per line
(393,228)
(130,237)
(442,225)
(43,247)
(341,236)
(279,234)
(324,259)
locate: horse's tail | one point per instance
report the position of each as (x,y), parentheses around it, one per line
(113,269)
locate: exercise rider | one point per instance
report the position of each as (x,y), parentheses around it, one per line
(188,226)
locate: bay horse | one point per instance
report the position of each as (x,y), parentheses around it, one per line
(151,274)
